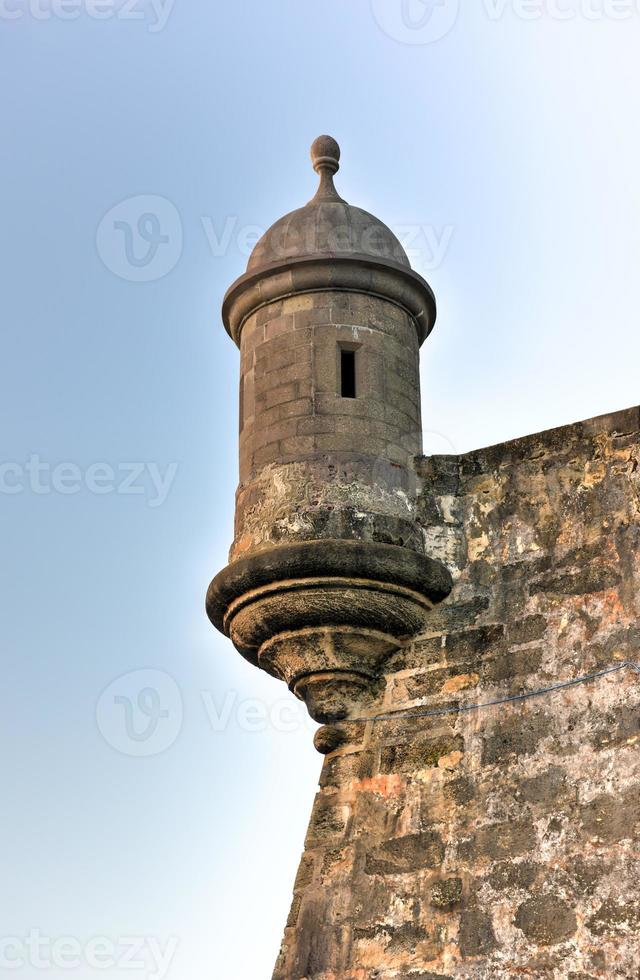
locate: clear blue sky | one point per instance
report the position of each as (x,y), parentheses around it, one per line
(506,150)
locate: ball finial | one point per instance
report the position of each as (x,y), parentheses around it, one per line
(325,155)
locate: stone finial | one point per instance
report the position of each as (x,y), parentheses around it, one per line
(325,155)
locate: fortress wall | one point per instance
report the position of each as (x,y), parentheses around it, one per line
(503,842)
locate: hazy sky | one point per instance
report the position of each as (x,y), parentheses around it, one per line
(161,818)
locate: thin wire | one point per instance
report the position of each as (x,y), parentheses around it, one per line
(461,709)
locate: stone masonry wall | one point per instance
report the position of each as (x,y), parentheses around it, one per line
(312,463)
(503,842)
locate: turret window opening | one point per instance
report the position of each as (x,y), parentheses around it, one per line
(348,374)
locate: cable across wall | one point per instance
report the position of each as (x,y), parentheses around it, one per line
(527,695)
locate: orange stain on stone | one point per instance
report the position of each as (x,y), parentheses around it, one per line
(460,683)
(451,761)
(383,785)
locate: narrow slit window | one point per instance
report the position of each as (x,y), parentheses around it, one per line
(348,373)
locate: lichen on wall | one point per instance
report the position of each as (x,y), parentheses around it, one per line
(502,842)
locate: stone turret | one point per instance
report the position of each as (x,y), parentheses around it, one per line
(484,821)
(328,573)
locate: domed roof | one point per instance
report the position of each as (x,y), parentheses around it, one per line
(327,246)
(327,225)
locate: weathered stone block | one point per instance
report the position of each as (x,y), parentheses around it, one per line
(406,855)
(515,736)
(477,937)
(546,919)
(446,894)
(422,753)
